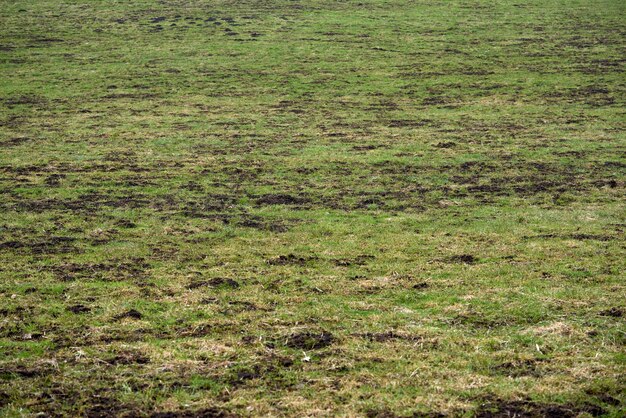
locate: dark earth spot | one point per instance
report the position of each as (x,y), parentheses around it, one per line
(530,409)
(388,336)
(4,399)
(26,371)
(54,180)
(462,259)
(245,374)
(613,312)
(309,340)
(104,407)
(592,237)
(125,223)
(367,147)
(445,145)
(357,261)
(289,259)
(245,305)
(280,199)
(214,282)
(78,309)
(130,314)
(200,413)
(132,269)
(13,142)
(51,245)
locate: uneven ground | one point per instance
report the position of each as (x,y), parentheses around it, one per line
(312,208)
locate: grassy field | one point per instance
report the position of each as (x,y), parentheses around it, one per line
(312,208)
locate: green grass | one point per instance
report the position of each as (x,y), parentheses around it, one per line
(312,208)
